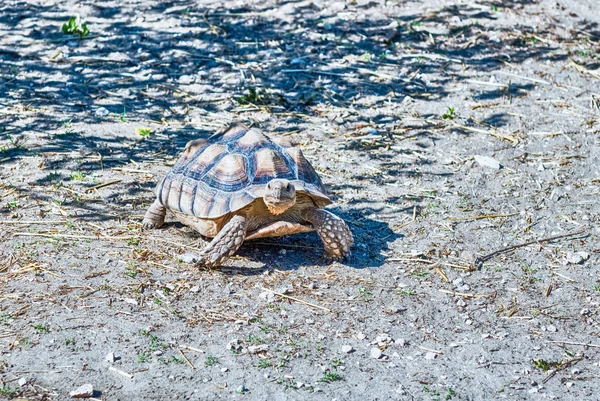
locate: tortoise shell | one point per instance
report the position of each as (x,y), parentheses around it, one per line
(229,170)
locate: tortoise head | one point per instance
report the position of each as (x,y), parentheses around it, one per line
(279,195)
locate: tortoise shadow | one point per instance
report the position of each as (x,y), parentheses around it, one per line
(292,252)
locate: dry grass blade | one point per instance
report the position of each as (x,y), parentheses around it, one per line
(105,184)
(483,216)
(298,300)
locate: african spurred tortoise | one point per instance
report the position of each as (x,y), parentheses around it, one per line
(239,184)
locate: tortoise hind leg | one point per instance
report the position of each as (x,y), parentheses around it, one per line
(155,216)
(337,237)
(225,244)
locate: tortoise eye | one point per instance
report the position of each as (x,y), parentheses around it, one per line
(288,187)
(269,185)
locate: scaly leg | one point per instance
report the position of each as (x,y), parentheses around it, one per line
(225,244)
(337,237)
(155,216)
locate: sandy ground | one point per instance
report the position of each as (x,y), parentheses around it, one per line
(446,131)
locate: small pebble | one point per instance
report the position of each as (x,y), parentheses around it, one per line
(401,342)
(461,302)
(361,336)
(241,389)
(256,349)
(224,370)
(85,391)
(430,355)
(551,329)
(347,349)
(376,353)
(101,112)
(110,357)
(577,258)
(187,258)
(22,381)
(486,161)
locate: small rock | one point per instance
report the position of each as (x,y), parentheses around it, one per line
(461,302)
(459,282)
(347,349)
(573,371)
(187,258)
(468,322)
(85,391)
(577,258)
(101,112)
(430,355)
(195,289)
(186,79)
(569,384)
(534,390)
(299,384)
(585,311)
(551,329)
(401,342)
(360,336)
(486,161)
(267,296)
(22,381)
(110,357)
(234,345)
(256,349)
(224,370)
(158,352)
(297,60)
(241,389)
(376,353)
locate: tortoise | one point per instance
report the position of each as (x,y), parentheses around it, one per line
(239,185)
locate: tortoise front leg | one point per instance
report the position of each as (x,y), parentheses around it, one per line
(225,244)
(337,237)
(155,216)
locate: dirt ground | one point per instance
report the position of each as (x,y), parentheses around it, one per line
(445,131)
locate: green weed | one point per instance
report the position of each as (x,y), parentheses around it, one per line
(329,377)
(72,27)
(449,114)
(211,360)
(40,328)
(144,132)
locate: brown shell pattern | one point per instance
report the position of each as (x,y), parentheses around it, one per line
(227,171)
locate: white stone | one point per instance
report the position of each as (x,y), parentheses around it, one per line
(187,258)
(110,357)
(101,112)
(255,349)
(85,391)
(430,355)
(22,381)
(486,161)
(347,349)
(577,258)
(376,353)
